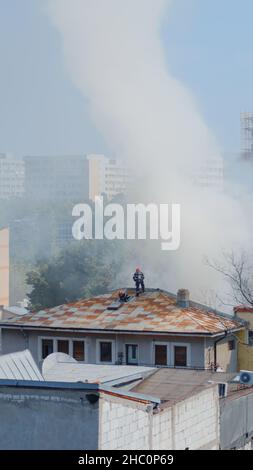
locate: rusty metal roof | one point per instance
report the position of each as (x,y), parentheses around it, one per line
(173,385)
(154,311)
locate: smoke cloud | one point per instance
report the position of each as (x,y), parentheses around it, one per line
(114,54)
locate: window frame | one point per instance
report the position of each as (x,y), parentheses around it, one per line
(250,337)
(231,342)
(41,347)
(162,343)
(188,354)
(100,340)
(55,340)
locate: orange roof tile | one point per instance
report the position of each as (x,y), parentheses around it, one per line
(154,311)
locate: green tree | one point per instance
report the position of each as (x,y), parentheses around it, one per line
(81,270)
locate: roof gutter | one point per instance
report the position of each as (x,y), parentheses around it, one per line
(135,332)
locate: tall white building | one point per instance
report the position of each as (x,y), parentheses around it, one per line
(247,136)
(107,176)
(12,176)
(56,177)
(210,174)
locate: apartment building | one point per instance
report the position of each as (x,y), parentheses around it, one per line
(12,177)
(107,176)
(57,177)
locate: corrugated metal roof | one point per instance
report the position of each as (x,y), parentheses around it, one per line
(19,366)
(154,311)
(57,367)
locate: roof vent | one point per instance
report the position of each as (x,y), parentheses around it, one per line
(183,298)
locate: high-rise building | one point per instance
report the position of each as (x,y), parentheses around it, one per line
(107,176)
(12,175)
(210,173)
(63,177)
(247,136)
(4,267)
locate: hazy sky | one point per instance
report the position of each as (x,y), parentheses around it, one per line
(208,44)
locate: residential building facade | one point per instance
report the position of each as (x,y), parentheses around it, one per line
(153,329)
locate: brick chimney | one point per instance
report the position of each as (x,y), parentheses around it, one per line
(183,298)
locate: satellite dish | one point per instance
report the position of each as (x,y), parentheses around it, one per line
(55,358)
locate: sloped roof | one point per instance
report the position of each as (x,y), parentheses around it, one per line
(155,311)
(19,366)
(173,385)
(60,367)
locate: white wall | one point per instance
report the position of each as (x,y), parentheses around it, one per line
(123,425)
(192,423)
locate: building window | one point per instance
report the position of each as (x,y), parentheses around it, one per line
(231,345)
(63,346)
(105,351)
(47,347)
(132,354)
(180,356)
(78,350)
(250,337)
(161,358)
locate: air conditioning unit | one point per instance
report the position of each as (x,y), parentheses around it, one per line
(246,377)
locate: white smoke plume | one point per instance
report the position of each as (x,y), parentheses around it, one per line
(114,54)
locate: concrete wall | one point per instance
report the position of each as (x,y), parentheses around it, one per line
(236,421)
(192,423)
(125,425)
(18,339)
(33,418)
(47,419)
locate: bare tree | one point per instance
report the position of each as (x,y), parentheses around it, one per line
(238,272)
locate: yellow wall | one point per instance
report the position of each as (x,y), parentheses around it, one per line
(247,316)
(4,267)
(244,351)
(245,357)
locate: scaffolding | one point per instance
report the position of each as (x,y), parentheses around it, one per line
(247,136)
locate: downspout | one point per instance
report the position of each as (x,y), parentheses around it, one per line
(25,335)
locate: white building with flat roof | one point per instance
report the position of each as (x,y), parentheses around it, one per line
(107,176)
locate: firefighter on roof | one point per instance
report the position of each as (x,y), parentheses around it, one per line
(138,278)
